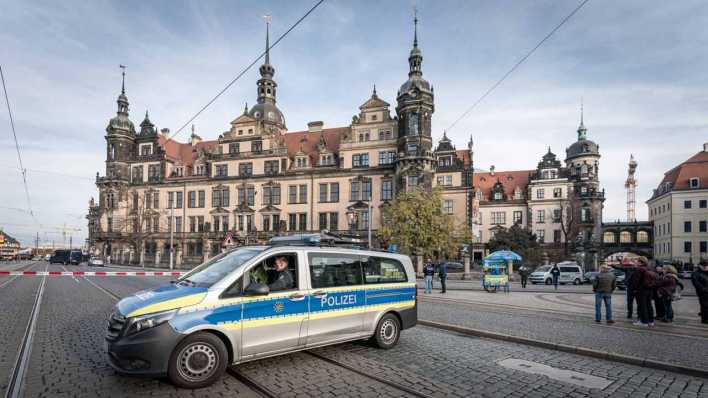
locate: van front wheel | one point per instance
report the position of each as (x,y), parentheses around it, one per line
(387,332)
(198,361)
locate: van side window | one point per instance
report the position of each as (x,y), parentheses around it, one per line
(332,270)
(265,272)
(383,270)
(569,269)
(235,290)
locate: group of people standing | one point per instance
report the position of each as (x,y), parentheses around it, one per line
(429,271)
(654,292)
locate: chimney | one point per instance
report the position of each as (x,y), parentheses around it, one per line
(705,147)
(165,132)
(314,127)
(491,170)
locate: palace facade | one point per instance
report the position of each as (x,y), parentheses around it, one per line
(257,179)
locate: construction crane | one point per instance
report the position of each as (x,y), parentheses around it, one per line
(631,186)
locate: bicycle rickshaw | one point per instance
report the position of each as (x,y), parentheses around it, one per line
(497,267)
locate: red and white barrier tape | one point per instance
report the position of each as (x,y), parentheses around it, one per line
(91,273)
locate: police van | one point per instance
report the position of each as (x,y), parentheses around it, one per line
(223,312)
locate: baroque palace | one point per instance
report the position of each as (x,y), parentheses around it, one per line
(257,179)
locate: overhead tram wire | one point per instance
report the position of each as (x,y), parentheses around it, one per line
(17,145)
(243,72)
(513,68)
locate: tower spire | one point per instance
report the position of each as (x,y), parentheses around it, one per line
(582,130)
(122,88)
(268,19)
(415,27)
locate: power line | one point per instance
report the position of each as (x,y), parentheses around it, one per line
(88,179)
(17,145)
(243,72)
(513,68)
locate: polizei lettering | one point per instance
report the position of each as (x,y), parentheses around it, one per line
(333,301)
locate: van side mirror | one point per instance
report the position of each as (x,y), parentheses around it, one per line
(256,289)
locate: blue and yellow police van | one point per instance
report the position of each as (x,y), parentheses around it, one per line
(255,302)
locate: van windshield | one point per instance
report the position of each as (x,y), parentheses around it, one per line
(545,268)
(219,266)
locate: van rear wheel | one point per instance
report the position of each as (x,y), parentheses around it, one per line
(387,332)
(198,361)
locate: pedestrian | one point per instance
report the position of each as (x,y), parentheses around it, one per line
(629,280)
(603,285)
(700,282)
(524,274)
(428,272)
(555,273)
(643,287)
(442,274)
(656,298)
(667,291)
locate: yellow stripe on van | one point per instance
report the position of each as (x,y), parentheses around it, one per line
(179,302)
(254,323)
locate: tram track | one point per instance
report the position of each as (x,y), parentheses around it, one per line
(15,386)
(382,380)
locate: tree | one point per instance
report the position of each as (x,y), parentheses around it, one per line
(568,210)
(416,223)
(519,240)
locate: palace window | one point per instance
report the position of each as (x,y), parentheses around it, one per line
(540,193)
(137,174)
(386,189)
(234,148)
(444,180)
(246,195)
(625,237)
(153,172)
(220,197)
(556,236)
(270,167)
(387,157)
(360,190)
(327,160)
(540,216)
(694,182)
(200,170)
(192,199)
(642,237)
(301,161)
(221,170)
(329,192)
(178,224)
(498,217)
(541,235)
(146,150)
(360,160)
(517,217)
(297,194)
(412,149)
(271,195)
(447,206)
(256,146)
(245,169)
(557,192)
(445,161)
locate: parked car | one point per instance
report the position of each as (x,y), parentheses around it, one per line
(589,276)
(570,273)
(47,257)
(75,257)
(454,267)
(60,257)
(95,262)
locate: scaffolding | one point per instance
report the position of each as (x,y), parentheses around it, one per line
(631,186)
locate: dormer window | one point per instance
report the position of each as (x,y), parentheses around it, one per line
(301,161)
(694,182)
(145,149)
(179,171)
(374,117)
(240,132)
(326,160)
(498,196)
(250,131)
(445,161)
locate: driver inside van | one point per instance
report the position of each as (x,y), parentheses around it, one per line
(282,277)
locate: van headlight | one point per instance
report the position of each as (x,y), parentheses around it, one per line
(140,323)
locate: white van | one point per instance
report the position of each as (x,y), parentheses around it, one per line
(570,273)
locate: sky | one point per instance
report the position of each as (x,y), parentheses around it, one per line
(638,66)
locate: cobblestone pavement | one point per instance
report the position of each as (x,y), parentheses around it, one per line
(657,344)
(16,298)
(68,357)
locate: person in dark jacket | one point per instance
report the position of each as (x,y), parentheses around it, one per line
(282,277)
(428,272)
(603,285)
(666,288)
(643,286)
(524,274)
(700,282)
(442,274)
(555,273)
(656,298)
(628,281)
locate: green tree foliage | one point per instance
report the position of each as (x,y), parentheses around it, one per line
(519,240)
(416,223)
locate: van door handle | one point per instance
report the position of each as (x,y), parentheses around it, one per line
(320,294)
(296,297)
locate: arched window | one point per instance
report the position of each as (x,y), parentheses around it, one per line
(625,237)
(608,237)
(642,237)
